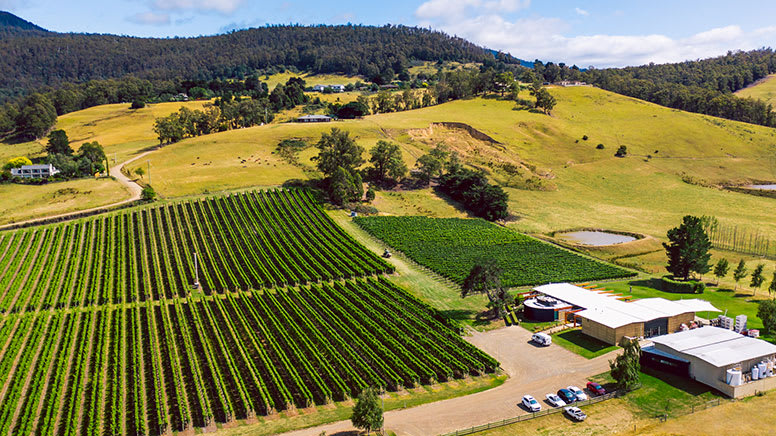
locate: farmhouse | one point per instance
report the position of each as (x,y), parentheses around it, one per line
(609,317)
(313,119)
(35,171)
(334,88)
(729,362)
(570,83)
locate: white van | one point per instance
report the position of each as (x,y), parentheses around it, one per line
(542,339)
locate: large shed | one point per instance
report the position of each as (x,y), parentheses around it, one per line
(729,362)
(608,318)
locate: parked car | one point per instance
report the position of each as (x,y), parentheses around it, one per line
(575,413)
(567,396)
(595,388)
(578,393)
(542,339)
(555,401)
(531,404)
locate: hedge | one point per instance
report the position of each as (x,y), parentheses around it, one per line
(682,287)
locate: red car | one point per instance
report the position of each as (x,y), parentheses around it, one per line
(595,388)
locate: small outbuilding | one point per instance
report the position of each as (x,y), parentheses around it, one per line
(736,365)
(313,119)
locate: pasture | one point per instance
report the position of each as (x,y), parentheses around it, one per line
(764,89)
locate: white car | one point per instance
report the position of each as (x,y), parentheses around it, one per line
(575,413)
(531,404)
(579,393)
(555,400)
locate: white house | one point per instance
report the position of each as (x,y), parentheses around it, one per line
(335,88)
(35,171)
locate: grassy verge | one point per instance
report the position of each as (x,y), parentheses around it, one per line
(342,411)
(582,344)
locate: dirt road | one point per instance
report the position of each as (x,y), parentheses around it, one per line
(532,370)
(115,171)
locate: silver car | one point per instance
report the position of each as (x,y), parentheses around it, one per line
(575,413)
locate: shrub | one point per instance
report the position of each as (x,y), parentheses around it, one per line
(622,151)
(681,287)
(148,194)
(585,138)
(599,146)
(137,104)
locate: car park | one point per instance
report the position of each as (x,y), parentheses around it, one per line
(575,413)
(531,404)
(595,388)
(578,393)
(555,401)
(567,396)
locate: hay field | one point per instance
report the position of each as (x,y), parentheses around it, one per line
(764,89)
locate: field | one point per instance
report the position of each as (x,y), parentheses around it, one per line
(764,89)
(451,247)
(101,333)
(243,242)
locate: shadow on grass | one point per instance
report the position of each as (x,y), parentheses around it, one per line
(653,283)
(583,341)
(484,318)
(682,383)
(458,314)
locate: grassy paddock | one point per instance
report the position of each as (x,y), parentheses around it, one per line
(764,89)
(582,344)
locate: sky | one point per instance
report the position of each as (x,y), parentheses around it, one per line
(599,33)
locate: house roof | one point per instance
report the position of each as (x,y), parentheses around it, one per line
(313,117)
(717,346)
(606,309)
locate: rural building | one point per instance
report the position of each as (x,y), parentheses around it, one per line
(736,365)
(313,119)
(334,88)
(570,83)
(610,317)
(35,171)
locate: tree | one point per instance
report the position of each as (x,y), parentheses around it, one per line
(345,186)
(94,154)
(622,151)
(338,149)
(688,248)
(140,172)
(772,287)
(367,413)
(544,100)
(148,194)
(431,165)
(625,368)
(721,269)
(757,278)
(36,116)
(58,143)
(137,103)
(370,195)
(17,162)
(485,278)
(767,314)
(740,272)
(354,109)
(387,161)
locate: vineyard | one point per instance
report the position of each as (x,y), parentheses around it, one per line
(100,333)
(156,367)
(253,240)
(451,246)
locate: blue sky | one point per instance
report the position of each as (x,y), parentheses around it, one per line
(593,32)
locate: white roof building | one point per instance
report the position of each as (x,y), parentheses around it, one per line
(720,358)
(35,171)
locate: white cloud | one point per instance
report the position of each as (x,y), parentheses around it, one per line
(223,6)
(546,38)
(581,12)
(150,18)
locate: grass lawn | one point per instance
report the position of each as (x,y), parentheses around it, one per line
(764,90)
(342,411)
(584,345)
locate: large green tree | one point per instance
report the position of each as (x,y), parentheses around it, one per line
(387,162)
(757,278)
(485,278)
(767,314)
(741,272)
(721,269)
(338,149)
(772,286)
(625,368)
(367,413)
(58,143)
(688,248)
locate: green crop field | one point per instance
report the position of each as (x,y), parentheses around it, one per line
(452,246)
(102,333)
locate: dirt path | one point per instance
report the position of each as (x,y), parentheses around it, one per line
(115,171)
(532,370)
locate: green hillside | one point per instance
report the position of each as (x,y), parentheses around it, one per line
(764,90)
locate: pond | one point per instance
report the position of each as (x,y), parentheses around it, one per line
(763,187)
(587,237)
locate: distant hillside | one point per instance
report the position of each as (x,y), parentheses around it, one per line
(31,60)
(763,89)
(10,23)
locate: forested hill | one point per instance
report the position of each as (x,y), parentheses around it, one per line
(31,60)
(10,23)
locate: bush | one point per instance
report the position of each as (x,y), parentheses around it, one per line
(137,104)
(599,146)
(681,287)
(148,194)
(622,151)
(585,138)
